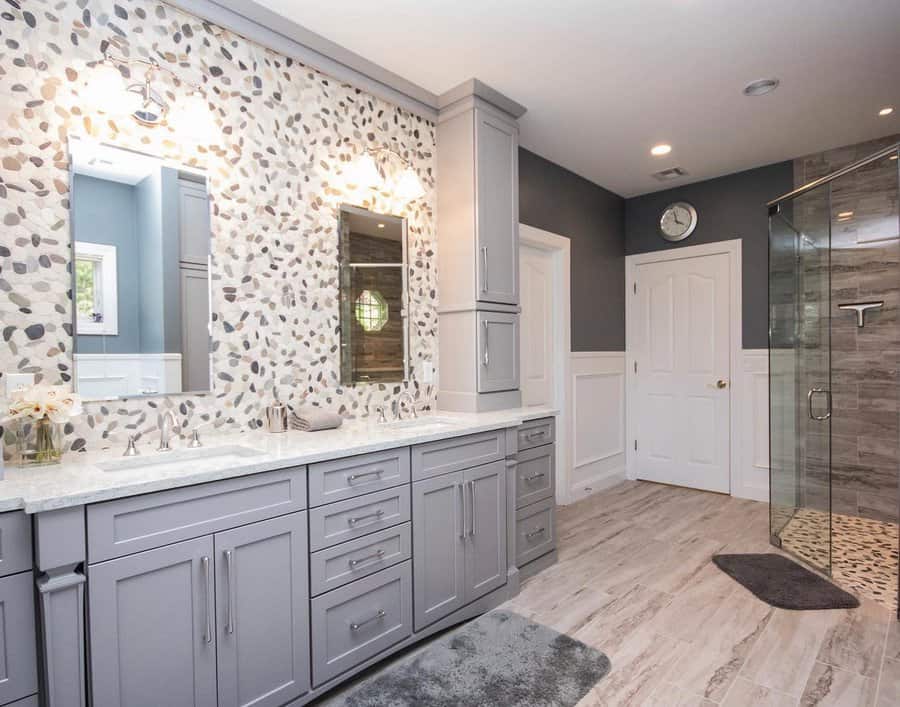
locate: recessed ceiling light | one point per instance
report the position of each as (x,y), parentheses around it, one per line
(380,225)
(887,110)
(761,87)
(660,150)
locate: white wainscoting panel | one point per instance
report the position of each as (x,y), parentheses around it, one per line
(597,405)
(752,477)
(101,376)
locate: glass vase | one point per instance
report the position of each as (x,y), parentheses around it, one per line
(39,441)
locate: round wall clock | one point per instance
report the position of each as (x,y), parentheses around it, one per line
(677,221)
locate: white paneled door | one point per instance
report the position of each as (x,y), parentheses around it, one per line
(681,347)
(536,347)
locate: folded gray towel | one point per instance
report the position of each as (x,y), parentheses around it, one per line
(311,419)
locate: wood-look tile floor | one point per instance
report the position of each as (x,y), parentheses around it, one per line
(635,580)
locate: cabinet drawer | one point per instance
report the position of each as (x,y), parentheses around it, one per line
(535,531)
(17,637)
(345,478)
(535,475)
(534,433)
(127,525)
(15,543)
(359,620)
(446,455)
(345,520)
(336,566)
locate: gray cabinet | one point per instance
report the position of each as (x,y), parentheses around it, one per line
(193,222)
(438,547)
(486,539)
(498,347)
(18,657)
(152,627)
(497,223)
(459,539)
(262,612)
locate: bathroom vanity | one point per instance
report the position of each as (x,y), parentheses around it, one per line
(266,569)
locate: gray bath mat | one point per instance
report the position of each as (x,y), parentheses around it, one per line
(783,583)
(499,660)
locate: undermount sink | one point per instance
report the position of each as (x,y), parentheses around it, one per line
(422,422)
(176,460)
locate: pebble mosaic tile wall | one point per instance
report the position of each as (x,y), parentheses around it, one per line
(276,169)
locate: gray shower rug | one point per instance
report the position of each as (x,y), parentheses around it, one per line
(782,583)
(498,660)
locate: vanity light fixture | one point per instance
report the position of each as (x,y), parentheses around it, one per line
(660,150)
(107,91)
(364,172)
(887,110)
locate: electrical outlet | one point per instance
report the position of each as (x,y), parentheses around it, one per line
(14,381)
(427,372)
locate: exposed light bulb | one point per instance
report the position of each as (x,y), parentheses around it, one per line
(408,187)
(363,173)
(105,91)
(193,118)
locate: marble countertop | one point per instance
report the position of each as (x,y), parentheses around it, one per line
(79,479)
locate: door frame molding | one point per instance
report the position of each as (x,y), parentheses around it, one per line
(561,249)
(731,248)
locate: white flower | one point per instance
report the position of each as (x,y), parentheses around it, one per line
(38,401)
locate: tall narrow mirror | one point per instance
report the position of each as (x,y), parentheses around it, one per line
(374,328)
(141,295)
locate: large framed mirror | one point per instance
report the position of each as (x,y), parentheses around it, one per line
(140,274)
(374,326)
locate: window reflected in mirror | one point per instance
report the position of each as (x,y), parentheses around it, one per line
(141,240)
(374,328)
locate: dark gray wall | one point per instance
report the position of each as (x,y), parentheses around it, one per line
(104,212)
(557,200)
(729,207)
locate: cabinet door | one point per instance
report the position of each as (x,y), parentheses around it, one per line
(262,612)
(152,632)
(438,548)
(18,661)
(486,570)
(498,352)
(497,204)
(195,343)
(193,222)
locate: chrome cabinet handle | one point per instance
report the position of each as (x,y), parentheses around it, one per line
(534,477)
(356,625)
(539,531)
(486,357)
(535,435)
(377,514)
(484,269)
(379,555)
(364,474)
(809,402)
(229,593)
(462,511)
(204,563)
(472,488)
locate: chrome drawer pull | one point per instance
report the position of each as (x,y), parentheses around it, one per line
(539,531)
(204,564)
(462,511)
(229,600)
(356,625)
(374,556)
(474,505)
(484,269)
(377,515)
(534,477)
(535,435)
(362,475)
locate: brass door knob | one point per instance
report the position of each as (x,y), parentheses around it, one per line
(721,384)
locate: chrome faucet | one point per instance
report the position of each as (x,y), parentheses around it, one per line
(406,395)
(169,423)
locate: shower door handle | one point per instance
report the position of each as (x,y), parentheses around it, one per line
(809,401)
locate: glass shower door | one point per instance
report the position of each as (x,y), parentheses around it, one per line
(800,376)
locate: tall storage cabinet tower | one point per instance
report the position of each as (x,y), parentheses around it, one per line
(478,248)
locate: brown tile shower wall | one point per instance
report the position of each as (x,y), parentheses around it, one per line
(286,134)
(865,266)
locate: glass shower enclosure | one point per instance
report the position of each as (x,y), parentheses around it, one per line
(834,354)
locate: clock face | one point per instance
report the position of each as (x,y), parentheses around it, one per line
(678,221)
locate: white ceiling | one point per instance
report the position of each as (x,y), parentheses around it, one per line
(604,80)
